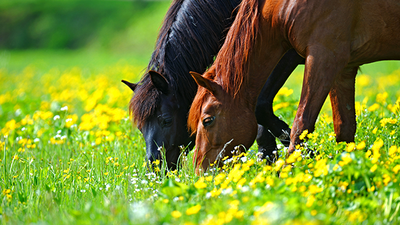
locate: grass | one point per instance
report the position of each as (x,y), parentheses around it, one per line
(69,154)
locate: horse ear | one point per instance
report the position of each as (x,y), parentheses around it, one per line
(204,82)
(132,86)
(159,81)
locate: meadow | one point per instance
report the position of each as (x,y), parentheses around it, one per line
(70,155)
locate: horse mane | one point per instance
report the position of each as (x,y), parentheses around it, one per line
(232,59)
(189,38)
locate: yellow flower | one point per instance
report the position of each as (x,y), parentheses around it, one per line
(285,91)
(280,105)
(381,97)
(373,107)
(310,200)
(303,135)
(360,145)
(386,179)
(71,120)
(193,210)
(373,168)
(346,159)
(321,168)
(350,147)
(200,184)
(239,214)
(279,164)
(396,169)
(176,214)
(385,121)
(215,192)
(371,189)
(392,150)
(315,189)
(307,178)
(293,157)
(313,212)
(343,185)
(363,80)
(264,208)
(241,182)
(156,162)
(6,191)
(335,167)
(219,178)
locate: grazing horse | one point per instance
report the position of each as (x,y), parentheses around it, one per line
(334,37)
(191,35)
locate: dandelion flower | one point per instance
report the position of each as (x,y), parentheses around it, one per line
(176,214)
(193,210)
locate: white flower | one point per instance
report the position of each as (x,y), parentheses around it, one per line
(107,186)
(56,117)
(65,108)
(245,189)
(144,182)
(227,191)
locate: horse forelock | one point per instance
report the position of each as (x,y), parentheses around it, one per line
(144,102)
(232,60)
(195,109)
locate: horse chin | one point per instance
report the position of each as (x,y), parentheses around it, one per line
(171,157)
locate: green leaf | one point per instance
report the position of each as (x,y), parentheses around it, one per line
(172,189)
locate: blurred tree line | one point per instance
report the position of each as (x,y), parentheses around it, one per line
(73,24)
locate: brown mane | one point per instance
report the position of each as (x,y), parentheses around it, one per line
(234,54)
(232,59)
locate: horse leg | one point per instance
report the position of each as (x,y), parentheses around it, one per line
(321,69)
(342,102)
(266,145)
(264,112)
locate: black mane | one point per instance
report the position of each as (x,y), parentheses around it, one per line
(190,37)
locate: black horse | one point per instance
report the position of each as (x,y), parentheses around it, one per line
(191,35)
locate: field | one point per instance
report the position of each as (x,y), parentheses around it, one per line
(70,155)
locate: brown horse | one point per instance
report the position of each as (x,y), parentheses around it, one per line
(335,38)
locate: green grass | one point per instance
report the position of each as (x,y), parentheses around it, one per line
(69,154)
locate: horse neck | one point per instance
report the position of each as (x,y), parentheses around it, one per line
(267,51)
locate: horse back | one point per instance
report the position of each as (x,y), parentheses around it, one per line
(376,35)
(369,30)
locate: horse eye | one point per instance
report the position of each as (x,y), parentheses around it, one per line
(208,121)
(164,122)
(167,122)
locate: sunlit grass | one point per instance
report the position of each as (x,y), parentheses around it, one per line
(69,154)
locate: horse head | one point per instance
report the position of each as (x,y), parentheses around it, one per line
(164,130)
(221,123)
